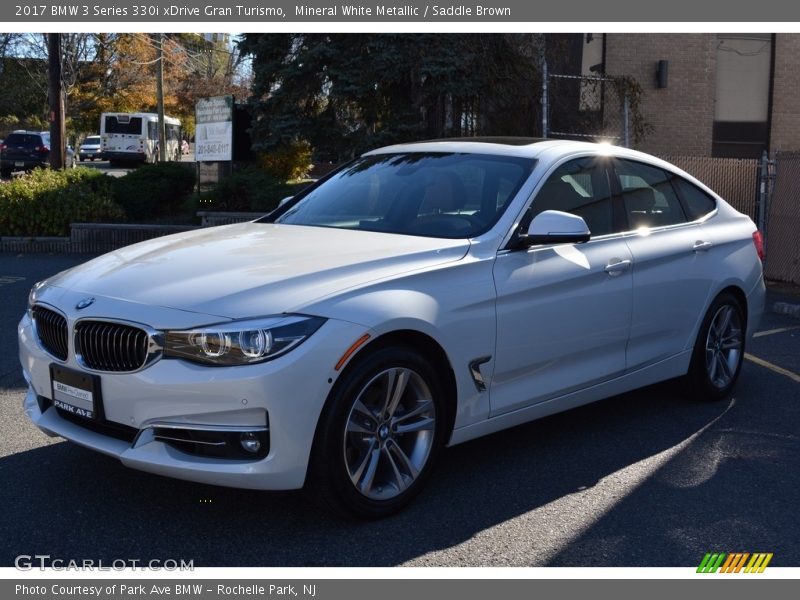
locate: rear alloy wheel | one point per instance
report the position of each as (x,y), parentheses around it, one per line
(719,350)
(380,434)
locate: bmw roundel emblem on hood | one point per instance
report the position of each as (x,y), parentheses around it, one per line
(84,303)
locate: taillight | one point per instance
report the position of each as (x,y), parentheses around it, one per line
(758,242)
(42,149)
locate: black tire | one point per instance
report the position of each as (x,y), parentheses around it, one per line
(5,173)
(338,448)
(716,364)
(83,159)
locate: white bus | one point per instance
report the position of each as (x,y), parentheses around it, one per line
(134,137)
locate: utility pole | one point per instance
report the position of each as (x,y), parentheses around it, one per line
(56,97)
(162,138)
(210,63)
(540,41)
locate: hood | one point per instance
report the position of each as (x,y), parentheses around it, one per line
(254,269)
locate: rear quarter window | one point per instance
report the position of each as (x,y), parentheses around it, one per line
(696,202)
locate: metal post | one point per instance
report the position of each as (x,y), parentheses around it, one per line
(56,97)
(544,99)
(162,138)
(625,115)
(763,191)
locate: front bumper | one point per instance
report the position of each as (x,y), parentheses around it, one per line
(288,393)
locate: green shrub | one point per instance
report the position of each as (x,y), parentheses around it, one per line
(250,189)
(44,202)
(153,190)
(288,162)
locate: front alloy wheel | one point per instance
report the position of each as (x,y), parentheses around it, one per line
(380,433)
(389,434)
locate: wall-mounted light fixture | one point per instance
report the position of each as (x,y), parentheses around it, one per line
(662,68)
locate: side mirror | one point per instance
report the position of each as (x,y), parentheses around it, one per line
(554,227)
(284,201)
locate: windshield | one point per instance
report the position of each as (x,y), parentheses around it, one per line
(92,140)
(444,195)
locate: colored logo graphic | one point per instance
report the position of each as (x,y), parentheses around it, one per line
(734,562)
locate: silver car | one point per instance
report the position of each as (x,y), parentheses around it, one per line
(90,149)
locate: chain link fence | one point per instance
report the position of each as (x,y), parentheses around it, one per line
(586,108)
(782,226)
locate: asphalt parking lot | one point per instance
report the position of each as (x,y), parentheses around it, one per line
(648,478)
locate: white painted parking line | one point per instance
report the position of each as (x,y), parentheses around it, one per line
(6,279)
(774,368)
(774,331)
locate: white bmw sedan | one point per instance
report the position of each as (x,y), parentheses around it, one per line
(421,296)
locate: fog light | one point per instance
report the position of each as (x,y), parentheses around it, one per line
(250,442)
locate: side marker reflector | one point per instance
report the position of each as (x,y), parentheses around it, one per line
(358,343)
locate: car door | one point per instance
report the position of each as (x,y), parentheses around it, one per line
(672,270)
(563,311)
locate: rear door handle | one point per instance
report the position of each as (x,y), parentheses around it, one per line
(617,267)
(701,246)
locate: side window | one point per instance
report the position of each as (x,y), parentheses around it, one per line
(697,203)
(579,187)
(648,195)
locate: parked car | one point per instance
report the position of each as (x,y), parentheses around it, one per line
(420,296)
(90,149)
(26,150)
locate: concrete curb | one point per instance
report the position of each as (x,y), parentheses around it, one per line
(787,308)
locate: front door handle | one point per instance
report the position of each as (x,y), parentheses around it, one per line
(616,266)
(701,246)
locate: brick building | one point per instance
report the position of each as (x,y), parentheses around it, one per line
(731,95)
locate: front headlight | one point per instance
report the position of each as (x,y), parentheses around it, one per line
(33,294)
(241,342)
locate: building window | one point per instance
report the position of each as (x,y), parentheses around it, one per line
(741,111)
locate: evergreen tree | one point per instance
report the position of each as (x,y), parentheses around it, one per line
(345,93)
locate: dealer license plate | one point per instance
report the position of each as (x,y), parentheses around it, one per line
(75,392)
